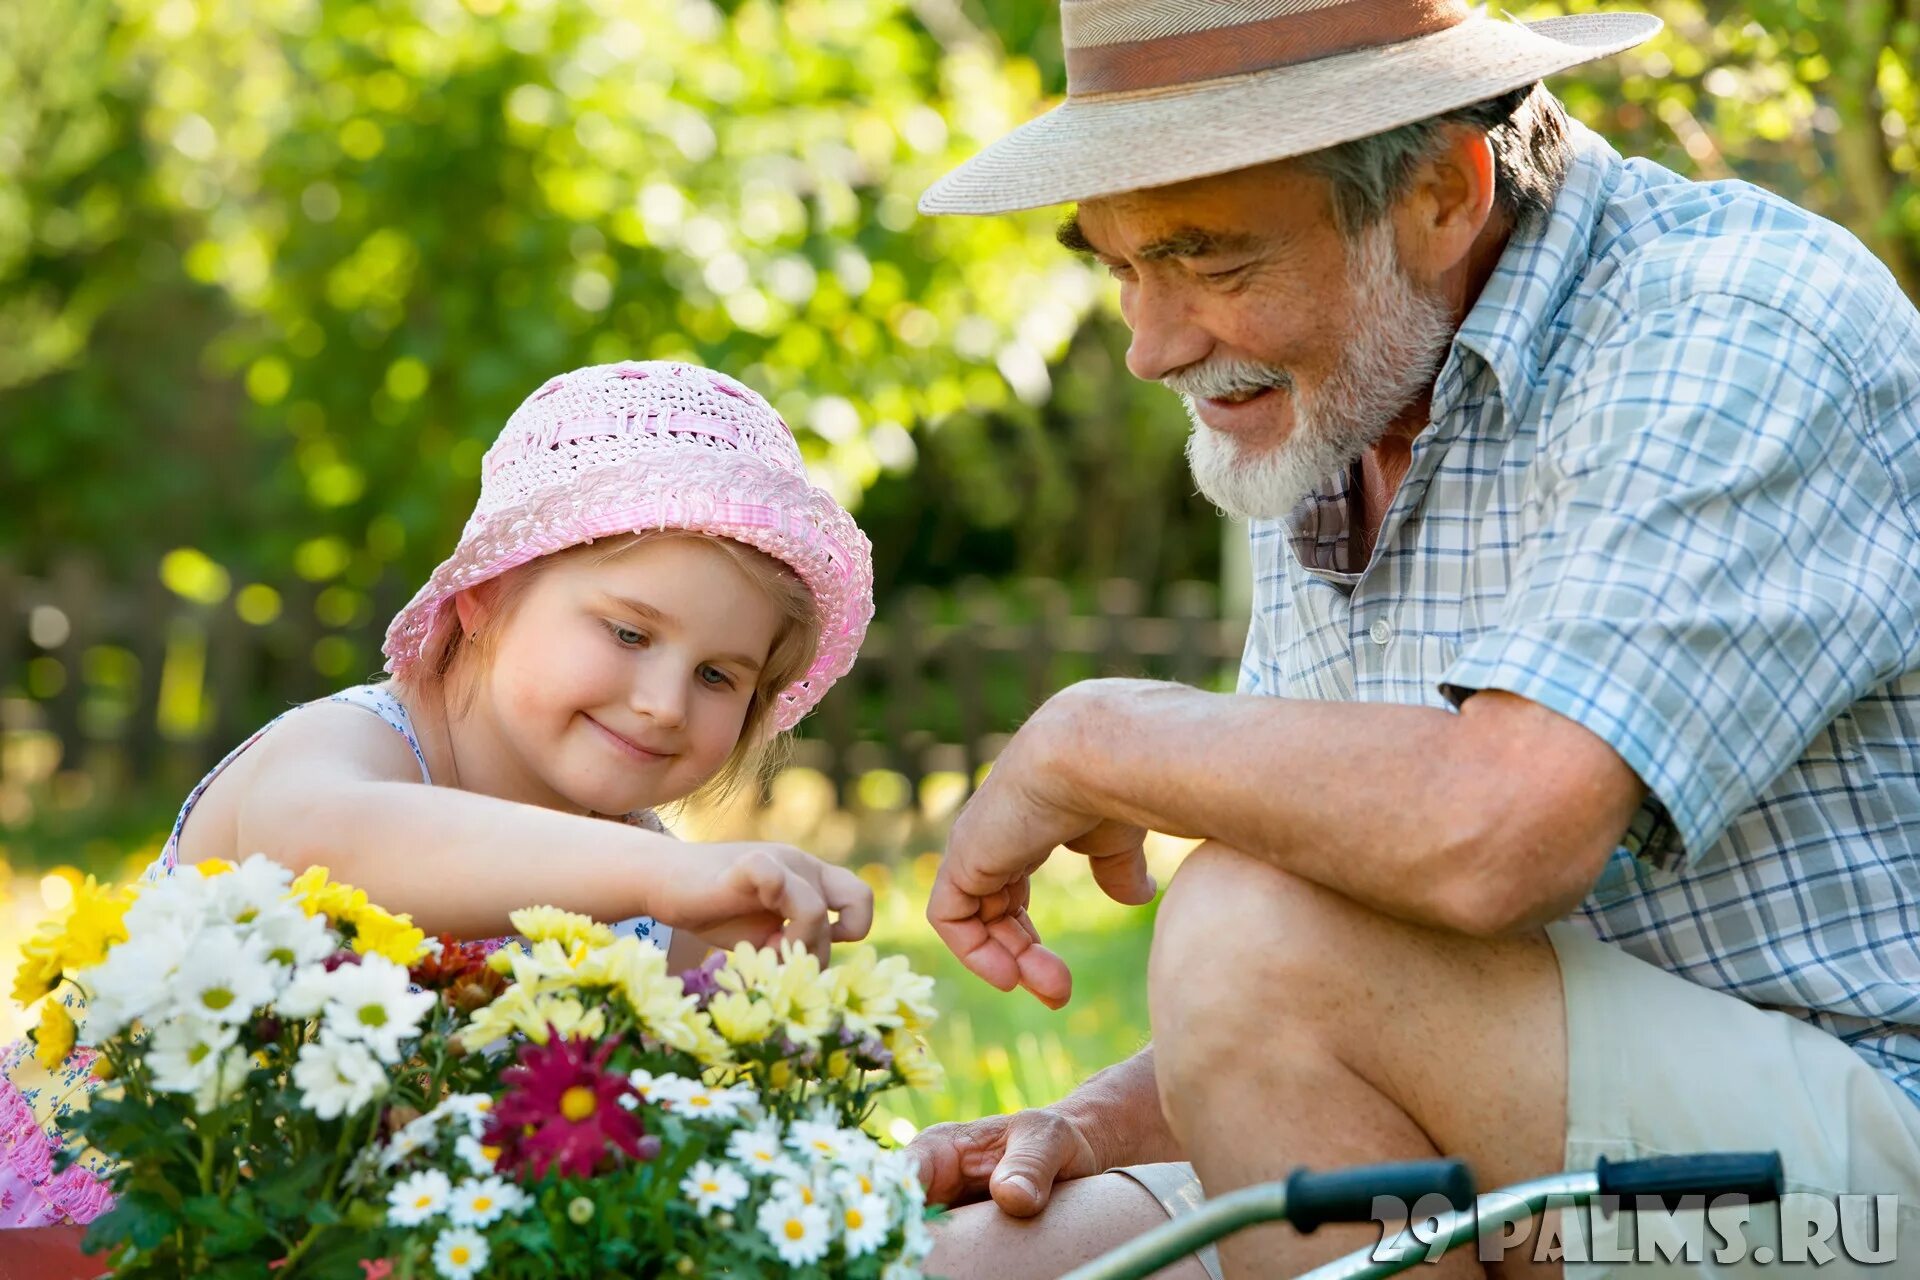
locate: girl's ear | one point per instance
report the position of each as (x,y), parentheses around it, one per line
(466,604)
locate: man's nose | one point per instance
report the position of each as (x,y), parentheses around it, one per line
(1165,337)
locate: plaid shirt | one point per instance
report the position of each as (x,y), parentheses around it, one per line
(1670,489)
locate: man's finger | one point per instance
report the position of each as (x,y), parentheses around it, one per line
(1124,877)
(1022,1181)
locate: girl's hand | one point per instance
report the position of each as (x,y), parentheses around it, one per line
(761,893)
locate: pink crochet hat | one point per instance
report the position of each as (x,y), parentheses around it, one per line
(637,446)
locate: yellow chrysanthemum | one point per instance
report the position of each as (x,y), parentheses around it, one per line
(914,1060)
(38,974)
(318,895)
(77,938)
(874,994)
(379,932)
(53,1038)
(741,1018)
(544,924)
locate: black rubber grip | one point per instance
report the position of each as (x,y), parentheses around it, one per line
(1756,1175)
(1347,1195)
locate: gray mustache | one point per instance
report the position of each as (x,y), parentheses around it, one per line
(1222,379)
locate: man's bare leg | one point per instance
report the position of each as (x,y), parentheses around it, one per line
(1085,1218)
(1293,1026)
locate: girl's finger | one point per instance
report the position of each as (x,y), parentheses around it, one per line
(850,898)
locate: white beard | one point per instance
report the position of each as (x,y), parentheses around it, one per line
(1399,338)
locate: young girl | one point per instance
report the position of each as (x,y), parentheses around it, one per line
(648,591)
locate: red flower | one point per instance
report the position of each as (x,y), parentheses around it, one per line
(460,974)
(561,1110)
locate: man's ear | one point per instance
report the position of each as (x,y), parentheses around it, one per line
(1447,205)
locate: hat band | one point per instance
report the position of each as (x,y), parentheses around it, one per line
(1212,54)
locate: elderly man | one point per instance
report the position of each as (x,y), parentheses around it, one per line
(1570,803)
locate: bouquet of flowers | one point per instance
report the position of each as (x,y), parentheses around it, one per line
(249,1026)
(652,1124)
(300,1083)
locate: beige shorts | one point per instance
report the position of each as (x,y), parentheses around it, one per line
(1662,1066)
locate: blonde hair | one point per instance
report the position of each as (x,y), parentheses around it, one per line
(453,658)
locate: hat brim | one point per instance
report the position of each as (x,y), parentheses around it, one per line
(1104,145)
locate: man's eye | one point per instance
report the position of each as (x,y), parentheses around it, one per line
(1118,270)
(1227,274)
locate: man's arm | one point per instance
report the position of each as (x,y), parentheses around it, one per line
(1495,818)
(1491,819)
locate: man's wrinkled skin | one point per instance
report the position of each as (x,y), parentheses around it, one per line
(1351,968)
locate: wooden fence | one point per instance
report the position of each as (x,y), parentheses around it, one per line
(113,690)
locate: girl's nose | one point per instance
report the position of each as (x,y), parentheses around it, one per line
(660,694)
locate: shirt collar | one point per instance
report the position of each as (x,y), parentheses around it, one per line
(1539,267)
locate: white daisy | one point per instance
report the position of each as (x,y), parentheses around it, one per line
(713,1186)
(225,976)
(759,1150)
(694,1100)
(370,1002)
(250,891)
(477,1157)
(418,1197)
(460,1253)
(292,937)
(478,1202)
(470,1108)
(305,994)
(196,1056)
(800,1233)
(136,980)
(336,1076)
(866,1222)
(818,1141)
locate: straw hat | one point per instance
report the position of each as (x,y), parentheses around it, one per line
(1161,91)
(646,445)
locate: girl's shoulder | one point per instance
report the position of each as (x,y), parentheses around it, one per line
(331,737)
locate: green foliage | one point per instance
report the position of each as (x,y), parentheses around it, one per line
(305,257)
(1818,102)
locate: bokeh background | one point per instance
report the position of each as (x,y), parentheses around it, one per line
(273,273)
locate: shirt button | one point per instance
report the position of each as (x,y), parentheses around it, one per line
(1380,632)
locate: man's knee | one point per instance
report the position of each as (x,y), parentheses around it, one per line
(1230,921)
(1237,945)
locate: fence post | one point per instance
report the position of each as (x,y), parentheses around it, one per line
(905,657)
(1048,629)
(979,617)
(76,594)
(1119,605)
(1196,631)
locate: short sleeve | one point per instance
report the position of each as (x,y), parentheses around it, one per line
(1714,564)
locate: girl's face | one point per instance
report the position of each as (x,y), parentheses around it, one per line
(622,684)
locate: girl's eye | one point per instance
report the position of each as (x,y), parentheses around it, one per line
(626,635)
(715,678)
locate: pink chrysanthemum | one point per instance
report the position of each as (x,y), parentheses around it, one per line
(561,1111)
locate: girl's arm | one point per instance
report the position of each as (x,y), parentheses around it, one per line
(333,786)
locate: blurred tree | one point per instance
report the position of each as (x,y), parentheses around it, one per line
(272,274)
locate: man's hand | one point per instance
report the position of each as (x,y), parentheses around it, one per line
(1015,1158)
(1030,805)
